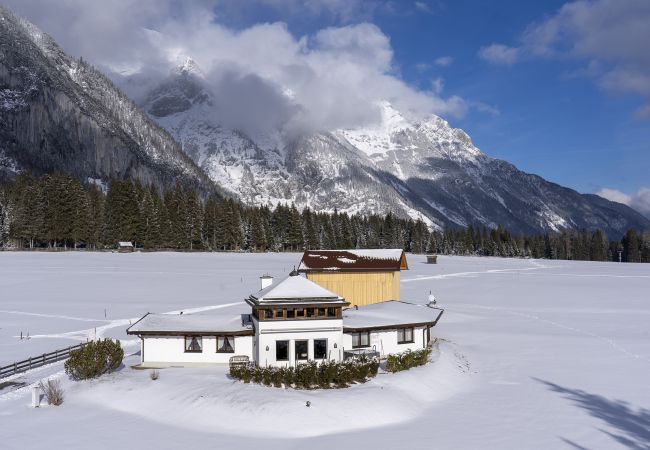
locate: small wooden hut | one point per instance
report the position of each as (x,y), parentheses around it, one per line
(125,247)
(432,259)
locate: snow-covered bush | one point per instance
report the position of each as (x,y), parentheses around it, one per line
(53,392)
(406,360)
(310,375)
(94,359)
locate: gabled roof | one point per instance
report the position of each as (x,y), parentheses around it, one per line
(125,244)
(332,260)
(388,315)
(295,289)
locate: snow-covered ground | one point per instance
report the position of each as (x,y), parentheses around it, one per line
(532,354)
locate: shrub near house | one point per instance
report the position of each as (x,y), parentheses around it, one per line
(94,359)
(407,360)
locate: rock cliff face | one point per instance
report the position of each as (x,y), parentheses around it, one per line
(57,113)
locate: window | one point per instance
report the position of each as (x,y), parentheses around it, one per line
(320,348)
(360,339)
(404,335)
(309,312)
(331,312)
(291,313)
(268,314)
(282,350)
(302,350)
(193,344)
(225,344)
(279,313)
(321,312)
(300,312)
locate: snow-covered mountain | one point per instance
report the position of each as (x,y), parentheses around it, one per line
(59,113)
(421,168)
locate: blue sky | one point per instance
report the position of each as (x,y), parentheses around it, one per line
(560,89)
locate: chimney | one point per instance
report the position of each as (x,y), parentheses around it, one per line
(266,280)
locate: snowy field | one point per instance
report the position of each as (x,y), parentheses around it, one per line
(532,355)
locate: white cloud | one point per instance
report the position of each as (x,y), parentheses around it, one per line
(486,108)
(614,195)
(438,85)
(610,36)
(444,61)
(336,74)
(424,7)
(499,54)
(639,201)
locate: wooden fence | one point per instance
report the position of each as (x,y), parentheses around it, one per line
(38,361)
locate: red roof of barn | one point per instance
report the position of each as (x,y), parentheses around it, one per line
(352,260)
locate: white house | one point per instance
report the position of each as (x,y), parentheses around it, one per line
(285,324)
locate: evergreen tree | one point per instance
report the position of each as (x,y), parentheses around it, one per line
(311,235)
(258,233)
(631,246)
(149,223)
(80,231)
(96,216)
(294,232)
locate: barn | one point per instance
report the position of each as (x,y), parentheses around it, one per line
(362,277)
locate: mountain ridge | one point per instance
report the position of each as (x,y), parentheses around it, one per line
(417,168)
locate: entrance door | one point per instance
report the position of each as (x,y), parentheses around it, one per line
(302,350)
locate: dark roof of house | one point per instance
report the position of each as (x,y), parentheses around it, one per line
(353,260)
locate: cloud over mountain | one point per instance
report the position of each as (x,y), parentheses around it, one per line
(335,76)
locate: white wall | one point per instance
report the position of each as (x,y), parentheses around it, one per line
(268,332)
(385,341)
(171,349)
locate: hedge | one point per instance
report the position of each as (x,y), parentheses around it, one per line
(406,360)
(310,375)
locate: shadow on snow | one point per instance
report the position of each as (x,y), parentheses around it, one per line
(632,425)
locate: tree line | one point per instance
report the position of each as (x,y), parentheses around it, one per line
(57,211)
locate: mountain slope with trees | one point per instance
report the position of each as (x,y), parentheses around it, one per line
(56,212)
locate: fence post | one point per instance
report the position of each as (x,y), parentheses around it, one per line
(43,358)
(30,362)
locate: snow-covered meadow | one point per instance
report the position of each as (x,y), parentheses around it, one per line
(532,354)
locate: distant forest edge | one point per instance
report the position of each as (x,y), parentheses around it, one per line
(57,211)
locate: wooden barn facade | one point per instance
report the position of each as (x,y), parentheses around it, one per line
(362,277)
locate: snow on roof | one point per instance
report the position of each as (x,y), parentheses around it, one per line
(178,324)
(125,244)
(389,314)
(373,259)
(294,288)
